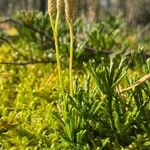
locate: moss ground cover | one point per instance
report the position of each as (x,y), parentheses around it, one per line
(97,115)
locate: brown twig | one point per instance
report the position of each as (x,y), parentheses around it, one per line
(4,39)
(27,63)
(137,83)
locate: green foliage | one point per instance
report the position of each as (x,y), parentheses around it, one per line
(96,117)
(33,114)
(104,119)
(107,34)
(35,28)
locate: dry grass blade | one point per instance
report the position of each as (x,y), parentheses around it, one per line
(137,83)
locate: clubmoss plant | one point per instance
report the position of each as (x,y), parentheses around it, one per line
(69,11)
(52,5)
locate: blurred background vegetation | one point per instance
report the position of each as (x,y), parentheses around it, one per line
(135,11)
(105,26)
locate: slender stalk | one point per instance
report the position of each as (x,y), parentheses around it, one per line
(69,12)
(55,33)
(52,23)
(57,53)
(71,59)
